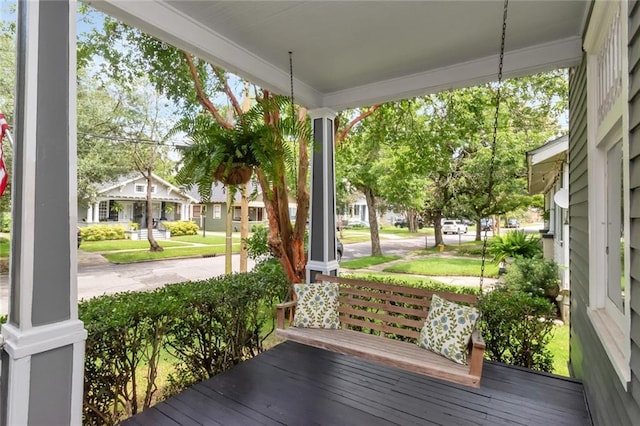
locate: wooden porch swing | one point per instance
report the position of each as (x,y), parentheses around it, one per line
(383,322)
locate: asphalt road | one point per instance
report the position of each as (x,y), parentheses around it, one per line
(96,276)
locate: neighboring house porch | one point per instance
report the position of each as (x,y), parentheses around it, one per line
(125,202)
(548,174)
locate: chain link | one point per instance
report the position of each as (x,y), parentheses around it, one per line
(495,137)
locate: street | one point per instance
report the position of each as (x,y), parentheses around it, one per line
(96,276)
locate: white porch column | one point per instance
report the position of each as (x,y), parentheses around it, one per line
(42,360)
(90,213)
(322,220)
(96,212)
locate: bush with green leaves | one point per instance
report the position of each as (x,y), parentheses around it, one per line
(102,232)
(427,284)
(125,333)
(515,244)
(182,227)
(533,276)
(5,222)
(257,244)
(516,328)
(205,326)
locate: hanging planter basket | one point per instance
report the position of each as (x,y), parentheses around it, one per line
(236,174)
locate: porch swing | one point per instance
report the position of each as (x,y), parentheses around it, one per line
(383,322)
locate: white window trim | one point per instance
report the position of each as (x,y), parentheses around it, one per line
(217,211)
(614,333)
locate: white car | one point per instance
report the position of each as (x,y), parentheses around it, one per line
(453,227)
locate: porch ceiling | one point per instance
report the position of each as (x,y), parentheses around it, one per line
(356,53)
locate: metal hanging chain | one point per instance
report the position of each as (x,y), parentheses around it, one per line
(495,136)
(293,120)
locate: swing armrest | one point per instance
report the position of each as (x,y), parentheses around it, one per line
(281,309)
(476,347)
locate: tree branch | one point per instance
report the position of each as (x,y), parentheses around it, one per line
(219,72)
(204,100)
(341,135)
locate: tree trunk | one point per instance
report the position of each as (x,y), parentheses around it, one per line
(228,269)
(244,228)
(153,244)
(412,221)
(437,227)
(372,205)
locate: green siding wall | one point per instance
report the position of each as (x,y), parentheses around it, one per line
(609,403)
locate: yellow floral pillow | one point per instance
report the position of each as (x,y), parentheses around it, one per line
(448,328)
(317,305)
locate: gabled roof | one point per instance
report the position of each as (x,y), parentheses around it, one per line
(134,177)
(544,164)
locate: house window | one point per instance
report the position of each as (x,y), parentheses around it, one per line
(141,188)
(103,210)
(217,211)
(197,210)
(608,131)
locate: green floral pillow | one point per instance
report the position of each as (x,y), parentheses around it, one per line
(448,328)
(317,305)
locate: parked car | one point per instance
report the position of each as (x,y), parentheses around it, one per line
(512,223)
(402,223)
(486,224)
(453,227)
(340,250)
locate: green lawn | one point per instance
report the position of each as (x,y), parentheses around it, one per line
(142,255)
(365,262)
(211,239)
(559,347)
(444,266)
(111,245)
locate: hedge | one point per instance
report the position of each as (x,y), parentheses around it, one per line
(204,327)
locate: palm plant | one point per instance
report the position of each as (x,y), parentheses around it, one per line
(514,244)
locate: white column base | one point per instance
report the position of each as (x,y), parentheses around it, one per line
(21,345)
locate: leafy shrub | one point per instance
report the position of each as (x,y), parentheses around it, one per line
(536,277)
(102,232)
(134,226)
(208,326)
(5,222)
(183,227)
(517,328)
(515,244)
(257,244)
(125,333)
(427,284)
(3,319)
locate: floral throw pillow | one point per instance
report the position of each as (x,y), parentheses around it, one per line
(317,305)
(448,328)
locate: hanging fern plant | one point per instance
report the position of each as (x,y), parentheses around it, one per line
(217,153)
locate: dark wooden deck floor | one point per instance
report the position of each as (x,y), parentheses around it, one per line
(293,384)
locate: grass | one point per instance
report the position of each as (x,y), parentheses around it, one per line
(412,279)
(111,245)
(143,255)
(559,347)
(211,239)
(439,266)
(366,262)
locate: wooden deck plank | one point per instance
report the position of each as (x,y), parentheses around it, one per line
(294,384)
(379,394)
(277,396)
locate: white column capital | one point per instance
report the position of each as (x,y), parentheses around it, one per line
(322,112)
